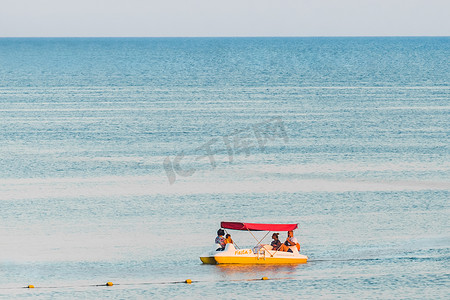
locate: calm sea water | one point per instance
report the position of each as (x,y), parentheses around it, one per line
(349,137)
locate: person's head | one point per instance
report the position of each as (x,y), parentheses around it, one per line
(220,232)
(275,236)
(228,236)
(290,233)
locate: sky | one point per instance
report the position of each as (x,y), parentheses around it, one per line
(205,18)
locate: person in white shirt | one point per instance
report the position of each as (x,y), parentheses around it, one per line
(290,241)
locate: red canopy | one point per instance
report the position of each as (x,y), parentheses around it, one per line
(258,226)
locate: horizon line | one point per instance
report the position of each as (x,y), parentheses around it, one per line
(226,36)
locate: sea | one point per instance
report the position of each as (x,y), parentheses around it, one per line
(119,158)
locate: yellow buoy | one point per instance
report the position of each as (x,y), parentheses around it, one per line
(264,278)
(109,283)
(31,286)
(188,281)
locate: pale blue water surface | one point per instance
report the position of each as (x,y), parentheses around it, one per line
(355,150)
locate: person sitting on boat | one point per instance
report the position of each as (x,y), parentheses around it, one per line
(220,239)
(290,241)
(276,244)
(228,239)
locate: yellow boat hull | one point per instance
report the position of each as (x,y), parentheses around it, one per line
(260,256)
(255,260)
(208,260)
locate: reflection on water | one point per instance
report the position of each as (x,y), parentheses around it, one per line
(250,271)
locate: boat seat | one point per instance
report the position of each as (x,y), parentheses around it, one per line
(227,246)
(217,247)
(293,248)
(259,247)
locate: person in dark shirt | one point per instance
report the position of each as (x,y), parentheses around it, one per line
(276,242)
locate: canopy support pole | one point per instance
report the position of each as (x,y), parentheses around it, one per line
(259,242)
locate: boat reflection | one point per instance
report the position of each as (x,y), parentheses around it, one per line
(256,270)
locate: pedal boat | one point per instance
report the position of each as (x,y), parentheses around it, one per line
(260,254)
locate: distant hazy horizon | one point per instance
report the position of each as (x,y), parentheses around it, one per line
(223,37)
(201,18)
